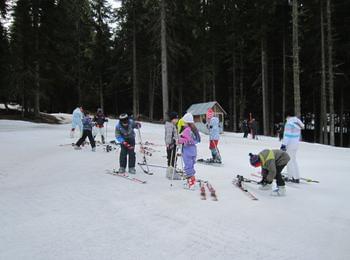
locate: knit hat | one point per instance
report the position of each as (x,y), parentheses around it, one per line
(254,160)
(210,113)
(173,115)
(124,118)
(188,118)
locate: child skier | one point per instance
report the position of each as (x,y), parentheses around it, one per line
(214,136)
(87,132)
(125,135)
(272,163)
(99,120)
(77,117)
(290,144)
(171,137)
(189,138)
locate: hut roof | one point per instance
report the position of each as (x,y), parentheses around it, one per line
(202,108)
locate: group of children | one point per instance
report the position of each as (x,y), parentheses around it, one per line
(182,133)
(81,119)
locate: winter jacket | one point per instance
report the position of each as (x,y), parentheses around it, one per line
(77,116)
(100,119)
(214,128)
(270,159)
(292,132)
(189,138)
(87,123)
(125,134)
(171,134)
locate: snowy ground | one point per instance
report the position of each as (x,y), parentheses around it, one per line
(57,203)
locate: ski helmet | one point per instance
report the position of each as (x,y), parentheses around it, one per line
(124,118)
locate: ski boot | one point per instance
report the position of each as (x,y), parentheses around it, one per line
(121,170)
(279,191)
(132,170)
(93,149)
(190,183)
(265,186)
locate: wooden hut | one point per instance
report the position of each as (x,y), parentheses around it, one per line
(199,114)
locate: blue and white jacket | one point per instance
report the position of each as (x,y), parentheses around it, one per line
(292,132)
(125,134)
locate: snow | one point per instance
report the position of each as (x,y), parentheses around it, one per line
(58,203)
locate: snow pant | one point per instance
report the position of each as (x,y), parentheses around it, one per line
(213,146)
(171,154)
(245,135)
(86,133)
(278,177)
(124,153)
(99,130)
(292,166)
(189,154)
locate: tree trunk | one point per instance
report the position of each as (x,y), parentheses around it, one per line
(135,107)
(284,70)
(241,93)
(323,135)
(214,74)
(36,62)
(204,84)
(164,62)
(101,93)
(272,99)
(264,85)
(296,69)
(330,72)
(152,80)
(341,115)
(233,98)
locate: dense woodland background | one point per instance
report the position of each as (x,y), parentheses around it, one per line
(263,57)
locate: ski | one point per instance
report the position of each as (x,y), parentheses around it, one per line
(125,176)
(142,166)
(202,190)
(291,180)
(212,191)
(209,162)
(237,182)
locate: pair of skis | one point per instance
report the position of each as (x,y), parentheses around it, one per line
(202,185)
(125,176)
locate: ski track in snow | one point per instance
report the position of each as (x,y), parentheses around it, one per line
(58,203)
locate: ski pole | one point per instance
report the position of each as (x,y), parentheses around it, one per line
(144,155)
(174,164)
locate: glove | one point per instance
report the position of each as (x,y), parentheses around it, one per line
(283,147)
(128,146)
(138,125)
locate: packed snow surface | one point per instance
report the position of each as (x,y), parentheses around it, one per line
(58,203)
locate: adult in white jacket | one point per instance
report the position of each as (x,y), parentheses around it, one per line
(290,144)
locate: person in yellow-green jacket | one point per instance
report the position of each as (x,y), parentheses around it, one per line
(272,163)
(180,125)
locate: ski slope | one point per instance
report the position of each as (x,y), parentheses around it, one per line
(58,203)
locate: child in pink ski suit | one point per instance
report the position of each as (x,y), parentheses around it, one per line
(189,138)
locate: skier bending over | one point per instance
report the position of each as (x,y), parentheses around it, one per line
(125,135)
(214,136)
(272,163)
(87,132)
(99,120)
(171,137)
(189,138)
(77,117)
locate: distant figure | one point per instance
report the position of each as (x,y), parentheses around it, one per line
(280,130)
(87,132)
(77,117)
(99,120)
(214,135)
(254,125)
(290,144)
(245,128)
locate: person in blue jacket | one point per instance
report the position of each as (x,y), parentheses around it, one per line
(87,132)
(125,136)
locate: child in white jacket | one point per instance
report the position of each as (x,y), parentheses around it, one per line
(290,144)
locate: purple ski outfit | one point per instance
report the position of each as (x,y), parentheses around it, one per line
(189,139)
